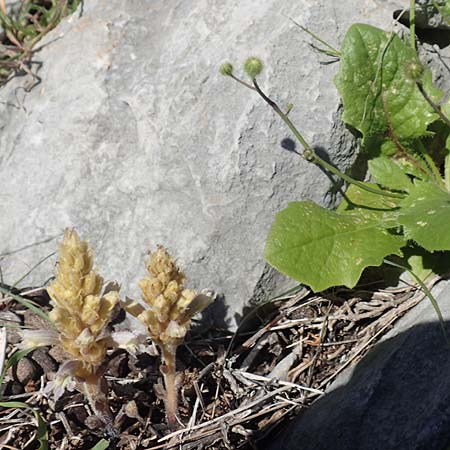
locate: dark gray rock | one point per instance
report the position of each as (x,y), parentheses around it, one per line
(134,138)
(428,17)
(397,397)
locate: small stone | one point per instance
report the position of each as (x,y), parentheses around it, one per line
(118,366)
(26,370)
(10,318)
(44,360)
(93,422)
(13,388)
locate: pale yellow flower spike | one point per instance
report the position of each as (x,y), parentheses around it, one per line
(81,313)
(168,316)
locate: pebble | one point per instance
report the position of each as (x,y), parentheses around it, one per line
(26,370)
(44,360)
(13,388)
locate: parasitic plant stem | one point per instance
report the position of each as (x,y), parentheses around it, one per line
(169,374)
(94,391)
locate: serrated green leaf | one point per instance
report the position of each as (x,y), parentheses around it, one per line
(425,216)
(417,265)
(445,108)
(389,174)
(424,263)
(380,99)
(413,166)
(323,248)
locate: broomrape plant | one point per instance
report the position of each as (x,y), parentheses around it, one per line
(81,314)
(167,314)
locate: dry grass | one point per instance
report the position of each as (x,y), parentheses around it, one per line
(22,26)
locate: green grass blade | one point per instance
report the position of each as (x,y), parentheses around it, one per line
(42,435)
(31,270)
(412,23)
(428,293)
(331,50)
(15,357)
(101,445)
(27,304)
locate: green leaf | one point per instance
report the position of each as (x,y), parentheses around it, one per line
(361,201)
(425,216)
(101,445)
(445,108)
(425,264)
(41,425)
(322,248)
(380,98)
(414,166)
(389,174)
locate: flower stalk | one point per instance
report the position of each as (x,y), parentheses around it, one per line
(252,69)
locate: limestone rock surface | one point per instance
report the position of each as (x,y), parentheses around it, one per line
(134,138)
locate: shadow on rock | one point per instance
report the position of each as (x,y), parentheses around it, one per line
(397,397)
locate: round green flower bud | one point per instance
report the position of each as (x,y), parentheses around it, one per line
(253,67)
(414,70)
(226,69)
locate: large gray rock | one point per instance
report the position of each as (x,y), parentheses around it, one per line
(397,397)
(427,16)
(134,138)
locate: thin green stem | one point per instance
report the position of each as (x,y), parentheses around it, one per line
(412,23)
(242,82)
(311,155)
(447,171)
(31,270)
(28,304)
(436,108)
